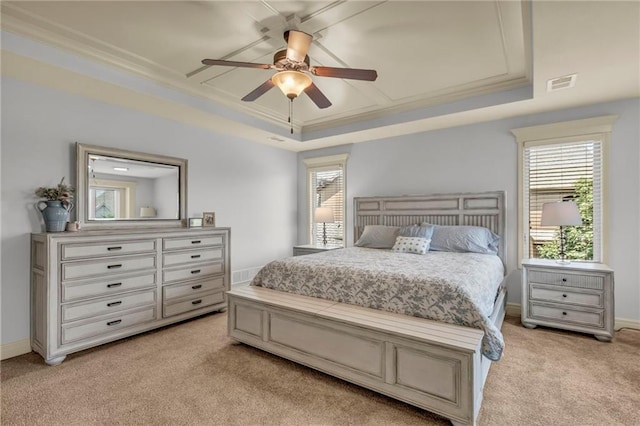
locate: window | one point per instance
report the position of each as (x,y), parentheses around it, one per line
(111,199)
(563,162)
(326,180)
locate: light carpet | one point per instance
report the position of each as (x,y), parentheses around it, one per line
(191,374)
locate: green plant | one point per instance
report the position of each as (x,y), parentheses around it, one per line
(61,192)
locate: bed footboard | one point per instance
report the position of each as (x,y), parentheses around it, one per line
(435,366)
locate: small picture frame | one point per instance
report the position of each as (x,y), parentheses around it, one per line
(209,219)
(195,222)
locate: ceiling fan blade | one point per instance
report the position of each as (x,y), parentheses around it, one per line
(349,73)
(297,45)
(236,64)
(259,91)
(317,96)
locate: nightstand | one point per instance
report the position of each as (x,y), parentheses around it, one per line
(313,248)
(577,296)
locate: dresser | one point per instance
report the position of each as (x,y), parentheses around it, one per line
(301,250)
(94,287)
(577,296)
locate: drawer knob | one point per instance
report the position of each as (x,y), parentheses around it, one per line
(195,256)
(564,280)
(196,302)
(564,295)
(564,313)
(119,302)
(114,285)
(196,242)
(114,248)
(195,287)
(119,265)
(196,271)
(116,322)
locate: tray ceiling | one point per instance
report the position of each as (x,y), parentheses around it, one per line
(426,53)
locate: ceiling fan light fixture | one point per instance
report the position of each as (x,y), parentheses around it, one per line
(292,83)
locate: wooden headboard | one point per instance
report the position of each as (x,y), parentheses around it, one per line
(478,209)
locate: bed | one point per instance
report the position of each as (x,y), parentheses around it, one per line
(428,360)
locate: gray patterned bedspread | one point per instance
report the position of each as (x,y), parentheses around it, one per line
(456,288)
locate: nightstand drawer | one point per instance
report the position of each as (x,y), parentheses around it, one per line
(559,295)
(593,319)
(595,282)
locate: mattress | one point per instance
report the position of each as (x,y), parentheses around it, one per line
(455,288)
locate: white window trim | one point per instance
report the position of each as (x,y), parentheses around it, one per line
(597,128)
(128,190)
(318,164)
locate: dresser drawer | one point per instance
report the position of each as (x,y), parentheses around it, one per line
(74,290)
(192,256)
(71,333)
(192,242)
(563,295)
(595,282)
(191,304)
(107,305)
(564,314)
(96,268)
(176,291)
(192,272)
(85,250)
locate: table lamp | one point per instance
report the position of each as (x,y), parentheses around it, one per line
(561,213)
(324,215)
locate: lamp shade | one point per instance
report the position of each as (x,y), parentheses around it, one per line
(292,83)
(147,212)
(560,213)
(323,215)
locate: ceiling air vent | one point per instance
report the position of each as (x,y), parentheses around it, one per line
(564,82)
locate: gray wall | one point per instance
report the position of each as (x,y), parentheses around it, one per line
(483,157)
(251,187)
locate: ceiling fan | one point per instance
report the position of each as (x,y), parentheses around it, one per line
(293,69)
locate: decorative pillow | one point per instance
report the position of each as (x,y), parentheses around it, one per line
(411,245)
(378,236)
(421,231)
(462,239)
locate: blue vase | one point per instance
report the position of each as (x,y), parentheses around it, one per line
(55,215)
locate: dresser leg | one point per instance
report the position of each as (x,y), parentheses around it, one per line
(602,338)
(55,361)
(528,325)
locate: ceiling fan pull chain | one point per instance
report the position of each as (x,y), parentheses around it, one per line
(291,115)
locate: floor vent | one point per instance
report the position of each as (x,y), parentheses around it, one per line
(244,275)
(559,83)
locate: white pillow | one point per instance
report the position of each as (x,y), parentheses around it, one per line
(411,245)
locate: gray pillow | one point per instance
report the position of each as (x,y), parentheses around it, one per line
(378,236)
(419,231)
(461,239)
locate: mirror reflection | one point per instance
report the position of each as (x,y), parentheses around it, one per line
(120,188)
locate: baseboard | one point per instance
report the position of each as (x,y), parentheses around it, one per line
(9,350)
(626,323)
(514,310)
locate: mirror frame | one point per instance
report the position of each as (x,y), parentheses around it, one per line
(82,178)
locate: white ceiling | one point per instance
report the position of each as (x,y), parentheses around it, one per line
(427,54)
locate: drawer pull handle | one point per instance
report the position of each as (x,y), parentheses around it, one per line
(119,302)
(114,248)
(197,271)
(196,302)
(564,313)
(119,265)
(195,256)
(195,287)
(564,280)
(564,295)
(114,285)
(196,242)
(116,322)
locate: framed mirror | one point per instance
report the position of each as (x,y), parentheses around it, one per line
(118,188)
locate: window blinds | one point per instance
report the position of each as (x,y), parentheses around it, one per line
(327,190)
(552,172)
